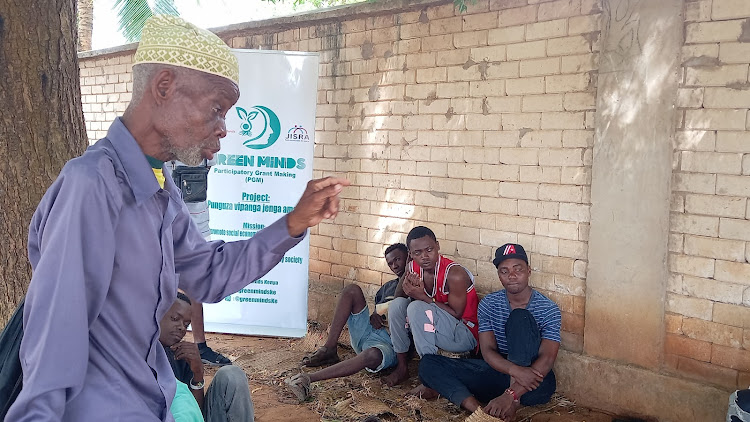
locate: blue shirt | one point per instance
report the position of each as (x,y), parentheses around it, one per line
(109,248)
(494,310)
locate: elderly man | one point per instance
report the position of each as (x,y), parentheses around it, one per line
(111,241)
(519,333)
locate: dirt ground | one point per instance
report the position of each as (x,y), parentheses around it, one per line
(268,361)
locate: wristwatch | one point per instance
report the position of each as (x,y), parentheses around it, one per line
(198,386)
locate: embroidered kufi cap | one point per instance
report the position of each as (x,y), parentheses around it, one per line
(171,40)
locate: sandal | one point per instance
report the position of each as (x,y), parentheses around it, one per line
(320,358)
(299,385)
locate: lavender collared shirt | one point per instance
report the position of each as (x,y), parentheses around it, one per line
(108,249)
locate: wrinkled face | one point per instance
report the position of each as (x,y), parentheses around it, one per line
(425,251)
(514,275)
(193,118)
(175,323)
(396,260)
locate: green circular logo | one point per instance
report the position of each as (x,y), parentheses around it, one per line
(260,125)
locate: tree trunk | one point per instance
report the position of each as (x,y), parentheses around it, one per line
(85,24)
(41,123)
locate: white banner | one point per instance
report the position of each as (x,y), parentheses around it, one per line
(262,169)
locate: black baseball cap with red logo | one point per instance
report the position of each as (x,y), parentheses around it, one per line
(509,251)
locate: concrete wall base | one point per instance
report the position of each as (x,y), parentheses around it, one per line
(633,391)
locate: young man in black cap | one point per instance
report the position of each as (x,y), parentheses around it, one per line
(519,335)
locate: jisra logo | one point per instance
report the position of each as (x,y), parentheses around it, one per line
(298,134)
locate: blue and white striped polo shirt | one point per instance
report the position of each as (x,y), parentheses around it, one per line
(494,310)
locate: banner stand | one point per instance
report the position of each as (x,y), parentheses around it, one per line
(263,167)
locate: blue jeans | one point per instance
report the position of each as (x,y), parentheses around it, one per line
(228,397)
(459,379)
(363,337)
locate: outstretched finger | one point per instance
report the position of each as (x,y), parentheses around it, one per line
(327,192)
(320,184)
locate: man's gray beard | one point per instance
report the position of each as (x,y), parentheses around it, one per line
(189,156)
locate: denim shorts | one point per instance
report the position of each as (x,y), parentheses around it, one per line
(363,336)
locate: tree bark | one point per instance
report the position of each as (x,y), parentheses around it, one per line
(85,24)
(41,123)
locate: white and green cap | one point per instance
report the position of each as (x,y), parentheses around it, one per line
(172,40)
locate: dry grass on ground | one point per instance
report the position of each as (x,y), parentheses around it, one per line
(268,361)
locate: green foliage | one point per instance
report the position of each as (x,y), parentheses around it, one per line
(132,15)
(317,3)
(461,5)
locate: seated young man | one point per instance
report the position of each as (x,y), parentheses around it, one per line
(369,338)
(228,396)
(440,302)
(519,334)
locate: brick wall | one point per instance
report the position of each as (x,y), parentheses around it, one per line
(473,125)
(707,320)
(106,86)
(481,125)
(477,125)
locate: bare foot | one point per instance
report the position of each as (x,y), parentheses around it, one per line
(322,356)
(423,392)
(396,377)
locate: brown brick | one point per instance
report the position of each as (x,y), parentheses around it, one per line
(470,39)
(710,331)
(732,272)
(733,185)
(694,224)
(527,50)
(715,119)
(730,52)
(540,67)
(732,315)
(508,35)
(730,357)
(713,290)
(684,346)
(567,83)
(706,372)
(715,248)
(673,323)
(541,209)
(446,26)
(572,323)
(520,15)
(548,29)
(704,32)
(577,44)
(728,9)
(723,206)
(730,228)
(559,9)
(691,182)
(690,307)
